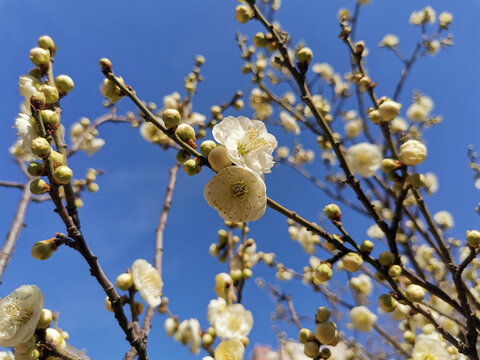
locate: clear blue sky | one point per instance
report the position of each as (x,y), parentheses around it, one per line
(152,45)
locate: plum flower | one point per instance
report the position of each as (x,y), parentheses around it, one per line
(247,142)
(19,315)
(189,332)
(233,321)
(362,318)
(364,159)
(429,347)
(148,282)
(232,349)
(27,129)
(238,194)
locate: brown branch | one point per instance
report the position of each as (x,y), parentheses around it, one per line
(15,229)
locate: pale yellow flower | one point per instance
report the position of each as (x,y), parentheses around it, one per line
(148,282)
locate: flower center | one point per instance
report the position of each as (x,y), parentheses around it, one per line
(252,140)
(15,315)
(233,324)
(239,190)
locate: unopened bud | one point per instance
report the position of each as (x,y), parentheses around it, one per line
(325,332)
(207,340)
(352,261)
(366,246)
(111,91)
(238,104)
(218,158)
(386,258)
(243,14)
(185,132)
(64,84)
(39,187)
(138,306)
(389,110)
(311,349)
(192,166)
(325,353)
(260,40)
(375,117)
(304,335)
(332,211)
(215,110)
(124,281)
(39,56)
(305,55)
(46,318)
(387,303)
(51,94)
(247,273)
(171,118)
(322,314)
(388,165)
(42,250)
(473,238)
(41,147)
(105,65)
(47,43)
(323,272)
(62,175)
(35,169)
(206,147)
(395,271)
(182,156)
(414,293)
(51,118)
(417,180)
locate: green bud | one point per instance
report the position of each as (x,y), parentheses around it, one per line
(138,307)
(325,332)
(395,270)
(417,180)
(108,304)
(47,43)
(389,110)
(201,133)
(207,146)
(45,320)
(39,187)
(124,281)
(93,187)
(304,335)
(62,175)
(365,81)
(207,340)
(199,60)
(51,118)
(311,349)
(387,303)
(91,175)
(243,14)
(409,337)
(322,314)
(111,91)
(185,132)
(352,261)
(236,274)
(323,272)
(473,238)
(42,250)
(375,117)
(260,40)
(222,236)
(38,100)
(51,94)
(192,166)
(39,56)
(171,118)
(215,110)
(85,122)
(386,258)
(366,246)
(332,211)
(305,55)
(41,147)
(247,273)
(64,84)
(238,104)
(388,165)
(35,169)
(414,293)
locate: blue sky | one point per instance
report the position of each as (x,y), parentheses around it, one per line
(152,45)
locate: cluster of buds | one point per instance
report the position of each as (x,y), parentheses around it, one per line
(86,136)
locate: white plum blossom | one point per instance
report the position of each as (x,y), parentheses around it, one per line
(215,307)
(194,119)
(325,70)
(26,85)
(362,284)
(148,282)
(238,194)
(289,123)
(234,321)
(389,40)
(232,349)
(6,355)
(364,159)
(429,347)
(188,331)
(444,219)
(413,152)
(19,315)
(362,318)
(27,129)
(247,142)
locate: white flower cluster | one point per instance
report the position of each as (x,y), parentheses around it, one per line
(81,131)
(229,321)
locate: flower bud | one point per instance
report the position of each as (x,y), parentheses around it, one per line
(238,104)
(182,156)
(185,132)
(269,259)
(206,147)
(311,349)
(62,175)
(417,180)
(192,166)
(236,274)
(414,293)
(243,14)
(222,282)
(51,118)
(352,261)
(93,187)
(305,55)
(325,332)
(105,64)
(111,91)
(386,258)
(304,335)
(366,246)
(389,110)
(207,340)
(46,318)
(35,169)
(395,271)
(325,353)
(124,281)
(323,272)
(473,238)
(364,81)
(171,118)
(332,211)
(247,273)
(64,84)
(39,56)
(218,158)
(51,94)
(41,147)
(42,250)
(213,250)
(387,303)
(388,166)
(54,336)
(39,187)
(412,152)
(138,306)
(409,337)
(260,40)
(375,117)
(108,304)
(47,43)
(322,314)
